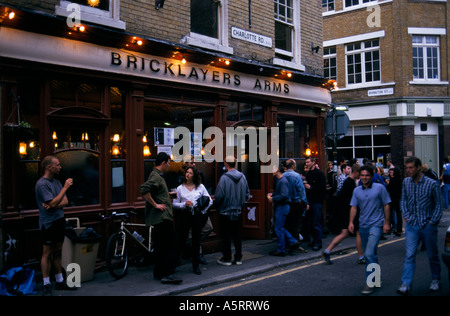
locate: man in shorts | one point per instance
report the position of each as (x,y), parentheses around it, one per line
(51,198)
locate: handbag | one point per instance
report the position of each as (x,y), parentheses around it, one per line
(202,204)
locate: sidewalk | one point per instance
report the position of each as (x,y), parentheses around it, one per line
(256,259)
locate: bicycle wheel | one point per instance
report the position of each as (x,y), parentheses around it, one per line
(117,255)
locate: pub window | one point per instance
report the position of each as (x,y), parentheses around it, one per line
(69,93)
(160,121)
(118,141)
(239,111)
(21,143)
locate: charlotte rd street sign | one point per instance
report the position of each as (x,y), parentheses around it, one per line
(251,37)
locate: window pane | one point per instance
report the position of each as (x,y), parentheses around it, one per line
(283,36)
(99,4)
(204,17)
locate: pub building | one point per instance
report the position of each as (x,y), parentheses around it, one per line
(105,102)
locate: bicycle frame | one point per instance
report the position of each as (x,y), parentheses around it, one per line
(125,232)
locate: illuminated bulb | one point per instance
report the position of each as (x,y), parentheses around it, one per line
(183,61)
(31,144)
(81,28)
(23,148)
(139,42)
(289,75)
(308,152)
(116,138)
(144,139)
(54,135)
(115,150)
(11,15)
(146,151)
(227,62)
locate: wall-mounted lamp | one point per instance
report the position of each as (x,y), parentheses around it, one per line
(22,148)
(137,41)
(159,4)
(314,48)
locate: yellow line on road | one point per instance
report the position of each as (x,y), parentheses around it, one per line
(289,270)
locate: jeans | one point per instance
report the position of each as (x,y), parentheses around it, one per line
(370,237)
(428,235)
(230,230)
(446,194)
(316,221)
(281,211)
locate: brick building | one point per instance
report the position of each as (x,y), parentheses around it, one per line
(98,83)
(391,63)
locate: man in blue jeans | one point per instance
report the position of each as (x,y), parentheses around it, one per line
(373,201)
(281,200)
(421,204)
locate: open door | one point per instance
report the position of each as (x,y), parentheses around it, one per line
(254,211)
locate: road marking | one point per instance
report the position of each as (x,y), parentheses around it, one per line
(289,270)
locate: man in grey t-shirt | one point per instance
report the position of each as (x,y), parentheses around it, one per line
(373,201)
(51,198)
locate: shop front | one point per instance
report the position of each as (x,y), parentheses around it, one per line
(107,110)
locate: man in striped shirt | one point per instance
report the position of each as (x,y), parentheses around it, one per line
(421,204)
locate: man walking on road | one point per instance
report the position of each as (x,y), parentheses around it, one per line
(373,201)
(421,204)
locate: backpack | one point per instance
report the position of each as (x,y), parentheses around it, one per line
(17,281)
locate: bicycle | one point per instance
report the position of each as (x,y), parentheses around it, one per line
(117,258)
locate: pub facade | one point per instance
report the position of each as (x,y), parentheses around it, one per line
(108,92)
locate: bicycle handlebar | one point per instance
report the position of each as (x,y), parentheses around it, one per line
(119,215)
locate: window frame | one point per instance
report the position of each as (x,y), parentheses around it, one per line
(424,46)
(329,57)
(295,61)
(362,50)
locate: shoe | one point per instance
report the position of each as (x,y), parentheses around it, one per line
(224,262)
(197,270)
(317,248)
(171,279)
(326,257)
(201,260)
(62,286)
(404,290)
(361,260)
(367,290)
(435,286)
(277,253)
(294,246)
(47,290)
(237,261)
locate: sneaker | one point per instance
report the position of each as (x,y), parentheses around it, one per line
(435,286)
(62,286)
(361,260)
(224,262)
(367,290)
(326,257)
(237,261)
(171,279)
(404,289)
(47,290)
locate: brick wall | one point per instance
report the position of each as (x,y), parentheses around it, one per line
(311,28)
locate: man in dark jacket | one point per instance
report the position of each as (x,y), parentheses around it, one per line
(231,194)
(315,193)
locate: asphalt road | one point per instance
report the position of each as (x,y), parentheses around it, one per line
(343,278)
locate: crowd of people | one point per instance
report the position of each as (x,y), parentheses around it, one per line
(359,200)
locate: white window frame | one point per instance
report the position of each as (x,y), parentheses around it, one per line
(296,62)
(109,18)
(423,46)
(362,52)
(326,8)
(220,44)
(423,31)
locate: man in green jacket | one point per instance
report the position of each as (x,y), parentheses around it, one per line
(159,214)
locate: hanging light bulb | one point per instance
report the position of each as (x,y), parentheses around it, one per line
(54,135)
(116,138)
